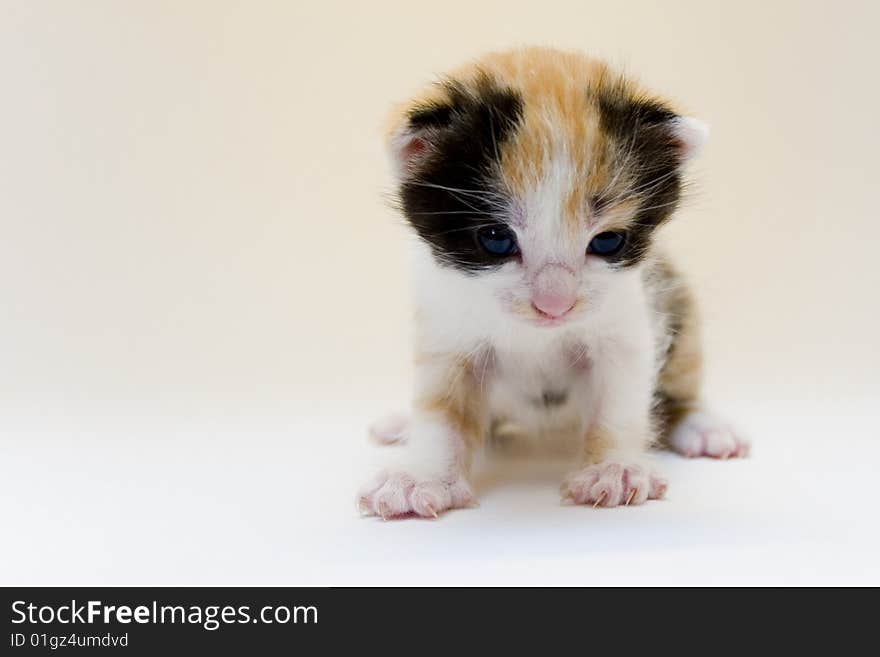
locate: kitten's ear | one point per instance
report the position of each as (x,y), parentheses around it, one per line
(407,147)
(690,136)
(414,135)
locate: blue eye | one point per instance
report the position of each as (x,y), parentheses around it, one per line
(606,244)
(497,240)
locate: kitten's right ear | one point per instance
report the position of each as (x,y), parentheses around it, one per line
(691,135)
(414,136)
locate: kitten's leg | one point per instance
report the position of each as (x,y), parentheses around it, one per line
(427,454)
(685,426)
(615,472)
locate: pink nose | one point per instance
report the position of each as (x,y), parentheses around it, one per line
(554,290)
(554,305)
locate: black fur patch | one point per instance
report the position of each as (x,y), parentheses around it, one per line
(432,116)
(641,132)
(450,196)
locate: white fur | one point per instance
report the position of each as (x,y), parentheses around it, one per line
(613,329)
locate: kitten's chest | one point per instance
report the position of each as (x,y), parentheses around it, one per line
(540,390)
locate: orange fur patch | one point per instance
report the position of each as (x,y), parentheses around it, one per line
(456,395)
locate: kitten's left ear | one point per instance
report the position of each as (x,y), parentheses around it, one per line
(690,136)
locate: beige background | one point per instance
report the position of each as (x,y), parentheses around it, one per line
(192,211)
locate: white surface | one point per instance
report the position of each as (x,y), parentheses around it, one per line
(267,499)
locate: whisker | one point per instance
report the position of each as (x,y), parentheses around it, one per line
(660,205)
(469,212)
(642,190)
(479,193)
(464,228)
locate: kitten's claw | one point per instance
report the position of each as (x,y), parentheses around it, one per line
(612,484)
(383,511)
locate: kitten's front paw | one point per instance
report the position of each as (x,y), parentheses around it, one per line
(704,434)
(392,495)
(613,483)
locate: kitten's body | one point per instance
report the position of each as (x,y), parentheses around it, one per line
(550,151)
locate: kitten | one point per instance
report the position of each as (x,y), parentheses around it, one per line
(535,180)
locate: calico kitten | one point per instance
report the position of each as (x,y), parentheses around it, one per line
(535,180)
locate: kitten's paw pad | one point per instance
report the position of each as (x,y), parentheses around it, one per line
(703,434)
(390,430)
(398,494)
(613,484)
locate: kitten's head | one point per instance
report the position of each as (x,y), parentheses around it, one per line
(539,174)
